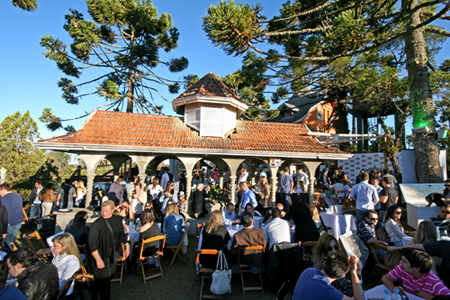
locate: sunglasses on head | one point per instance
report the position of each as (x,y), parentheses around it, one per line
(335,247)
(445,212)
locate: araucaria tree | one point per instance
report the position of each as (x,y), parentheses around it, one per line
(315,34)
(123,39)
(19,156)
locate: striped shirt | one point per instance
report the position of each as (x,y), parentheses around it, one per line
(429,282)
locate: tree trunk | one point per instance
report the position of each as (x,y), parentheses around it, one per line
(422,106)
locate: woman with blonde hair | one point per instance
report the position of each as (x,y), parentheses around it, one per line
(137,200)
(315,215)
(80,194)
(426,233)
(214,236)
(173,225)
(66,258)
(265,194)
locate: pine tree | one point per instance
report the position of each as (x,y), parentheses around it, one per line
(123,38)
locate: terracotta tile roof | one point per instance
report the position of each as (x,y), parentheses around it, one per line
(209,85)
(157,131)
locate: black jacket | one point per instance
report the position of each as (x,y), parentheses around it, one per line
(39,281)
(3,223)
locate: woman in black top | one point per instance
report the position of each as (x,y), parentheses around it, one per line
(78,229)
(305,228)
(104,245)
(149,228)
(215,236)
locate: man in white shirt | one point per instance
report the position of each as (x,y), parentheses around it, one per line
(277,231)
(302,176)
(366,197)
(229,216)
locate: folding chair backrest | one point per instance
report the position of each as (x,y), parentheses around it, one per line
(205,252)
(151,240)
(250,248)
(341,194)
(38,237)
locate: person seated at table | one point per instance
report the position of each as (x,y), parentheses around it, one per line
(149,228)
(66,258)
(305,228)
(249,208)
(123,210)
(277,231)
(443,219)
(327,245)
(247,237)
(439,249)
(174,225)
(8,292)
(367,232)
(414,271)
(214,236)
(79,229)
(394,228)
(316,284)
(315,215)
(229,215)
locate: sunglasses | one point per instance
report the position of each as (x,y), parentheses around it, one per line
(446,184)
(335,247)
(445,212)
(398,212)
(374,219)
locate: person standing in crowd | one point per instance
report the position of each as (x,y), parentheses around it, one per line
(36,279)
(286,186)
(305,227)
(335,177)
(376,183)
(302,177)
(106,236)
(365,195)
(388,197)
(248,196)
(137,200)
(243,176)
(165,178)
(115,192)
(264,193)
(35,202)
(13,204)
(47,197)
(80,197)
(325,180)
(72,191)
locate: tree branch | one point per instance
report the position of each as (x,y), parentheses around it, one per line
(437,31)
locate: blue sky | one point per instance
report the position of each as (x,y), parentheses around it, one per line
(28,79)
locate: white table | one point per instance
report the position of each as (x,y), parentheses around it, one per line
(341,223)
(377,292)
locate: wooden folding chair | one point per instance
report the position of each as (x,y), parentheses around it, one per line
(203,271)
(339,195)
(13,246)
(313,245)
(44,252)
(123,264)
(157,255)
(380,267)
(25,216)
(199,228)
(247,268)
(177,248)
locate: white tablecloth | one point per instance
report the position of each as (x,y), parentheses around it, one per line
(377,292)
(340,223)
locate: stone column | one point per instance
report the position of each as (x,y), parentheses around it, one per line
(221,181)
(188,188)
(273,185)
(91,161)
(312,166)
(233,189)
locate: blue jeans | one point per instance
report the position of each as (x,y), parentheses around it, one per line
(12,233)
(380,253)
(381,217)
(359,217)
(35,210)
(284,199)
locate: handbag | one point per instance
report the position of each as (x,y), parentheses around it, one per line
(116,254)
(221,277)
(83,277)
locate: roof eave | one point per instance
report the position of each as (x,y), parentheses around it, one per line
(81,148)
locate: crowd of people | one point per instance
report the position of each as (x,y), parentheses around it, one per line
(160,207)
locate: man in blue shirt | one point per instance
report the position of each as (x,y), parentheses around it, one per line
(316,284)
(366,197)
(229,215)
(247,196)
(286,185)
(13,204)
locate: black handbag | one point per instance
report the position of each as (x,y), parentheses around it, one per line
(116,254)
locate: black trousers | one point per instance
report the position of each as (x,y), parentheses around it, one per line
(101,287)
